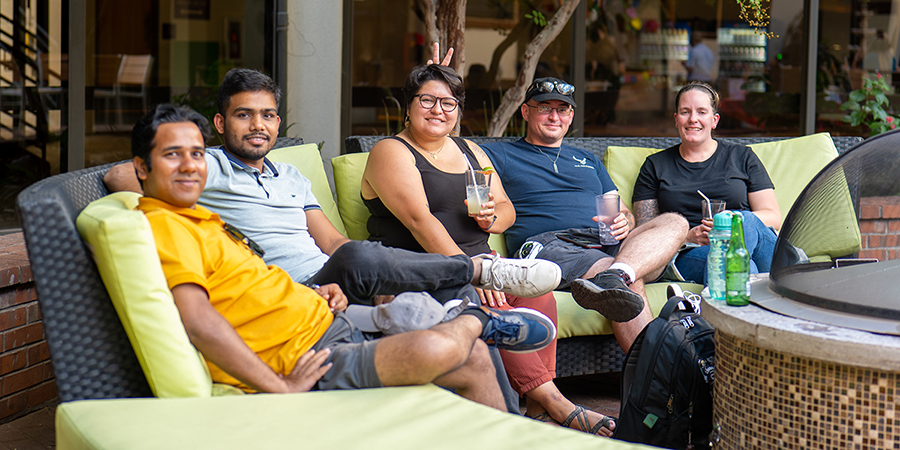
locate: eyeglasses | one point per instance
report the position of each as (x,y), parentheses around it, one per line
(544,109)
(549,86)
(240,237)
(448,104)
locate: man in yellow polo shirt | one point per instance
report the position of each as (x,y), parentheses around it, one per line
(261,331)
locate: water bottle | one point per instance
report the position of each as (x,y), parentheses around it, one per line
(737,265)
(719,237)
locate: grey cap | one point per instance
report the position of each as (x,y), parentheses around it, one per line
(408,311)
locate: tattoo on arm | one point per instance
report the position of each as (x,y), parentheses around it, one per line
(630,219)
(645,211)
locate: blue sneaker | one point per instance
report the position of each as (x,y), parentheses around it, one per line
(519,330)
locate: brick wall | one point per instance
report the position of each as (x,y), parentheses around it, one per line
(879,224)
(26,376)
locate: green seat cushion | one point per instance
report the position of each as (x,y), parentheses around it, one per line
(418,417)
(348,172)
(123,247)
(307,159)
(576,321)
(792,164)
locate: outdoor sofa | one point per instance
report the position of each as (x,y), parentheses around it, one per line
(586,344)
(111,361)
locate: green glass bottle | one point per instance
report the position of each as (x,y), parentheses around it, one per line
(737,265)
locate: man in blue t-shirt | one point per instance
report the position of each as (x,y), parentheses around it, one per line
(553,187)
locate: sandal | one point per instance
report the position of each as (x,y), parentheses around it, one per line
(580,414)
(544,417)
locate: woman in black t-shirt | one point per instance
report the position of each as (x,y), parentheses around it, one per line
(669,181)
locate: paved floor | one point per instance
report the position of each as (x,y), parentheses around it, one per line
(32,432)
(36,431)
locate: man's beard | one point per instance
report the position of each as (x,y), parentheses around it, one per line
(238,147)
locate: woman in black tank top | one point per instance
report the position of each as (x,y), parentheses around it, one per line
(414,186)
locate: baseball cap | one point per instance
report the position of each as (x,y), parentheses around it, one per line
(408,311)
(550,88)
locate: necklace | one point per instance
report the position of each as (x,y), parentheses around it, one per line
(433,154)
(555,169)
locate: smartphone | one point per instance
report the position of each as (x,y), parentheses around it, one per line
(579,241)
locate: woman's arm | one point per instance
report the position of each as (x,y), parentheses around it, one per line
(500,206)
(765,205)
(392,176)
(645,211)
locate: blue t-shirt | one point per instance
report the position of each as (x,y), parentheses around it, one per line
(546,200)
(269,207)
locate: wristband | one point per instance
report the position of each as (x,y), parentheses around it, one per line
(489,226)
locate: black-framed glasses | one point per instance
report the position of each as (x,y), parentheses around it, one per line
(448,104)
(550,86)
(544,109)
(240,237)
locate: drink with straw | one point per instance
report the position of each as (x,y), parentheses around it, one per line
(478,186)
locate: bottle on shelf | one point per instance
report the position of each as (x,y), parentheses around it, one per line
(737,265)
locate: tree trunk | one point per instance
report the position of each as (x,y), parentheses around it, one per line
(445,23)
(516,94)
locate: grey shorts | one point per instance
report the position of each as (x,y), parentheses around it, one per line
(352,356)
(573,259)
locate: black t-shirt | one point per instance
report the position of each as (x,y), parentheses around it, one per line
(446,193)
(729,174)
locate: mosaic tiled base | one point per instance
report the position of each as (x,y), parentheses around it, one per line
(772,400)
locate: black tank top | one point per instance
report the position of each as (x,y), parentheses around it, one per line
(446,193)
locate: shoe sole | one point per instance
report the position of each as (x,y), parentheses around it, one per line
(614,304)
(534,312)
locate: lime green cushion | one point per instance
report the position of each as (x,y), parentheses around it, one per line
(401,418)
(307,159)
(577,321)
(792,164)
(623,165)
(348,172)
(123,247)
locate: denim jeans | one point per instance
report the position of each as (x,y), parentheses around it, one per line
(364,269)
(760,242)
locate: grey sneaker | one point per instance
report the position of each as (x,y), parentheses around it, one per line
(608,294)
(519,277)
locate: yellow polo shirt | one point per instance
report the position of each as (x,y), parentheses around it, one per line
(277,318)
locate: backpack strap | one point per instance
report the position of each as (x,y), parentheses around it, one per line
(672,304)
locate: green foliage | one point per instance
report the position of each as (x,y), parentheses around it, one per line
(870,106)
(538,18)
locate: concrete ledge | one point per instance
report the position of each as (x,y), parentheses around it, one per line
(772,331)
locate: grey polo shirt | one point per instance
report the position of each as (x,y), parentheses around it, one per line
(268,206)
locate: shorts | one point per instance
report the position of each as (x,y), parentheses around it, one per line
(352,357)
(572,259)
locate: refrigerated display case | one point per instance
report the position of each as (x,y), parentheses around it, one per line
(742,59)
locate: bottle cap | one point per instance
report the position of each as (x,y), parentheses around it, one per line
(722,219)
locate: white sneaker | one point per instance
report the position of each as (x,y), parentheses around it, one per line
(519,277)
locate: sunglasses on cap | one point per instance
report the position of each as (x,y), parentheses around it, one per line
(550,86)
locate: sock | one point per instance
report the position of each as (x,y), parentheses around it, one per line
(624,268)
(479,313)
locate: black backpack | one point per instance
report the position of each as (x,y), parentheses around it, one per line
(667,381)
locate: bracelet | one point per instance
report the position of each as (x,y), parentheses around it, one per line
(489,226)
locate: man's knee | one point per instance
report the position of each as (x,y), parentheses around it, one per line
(672,221)
(356,253)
